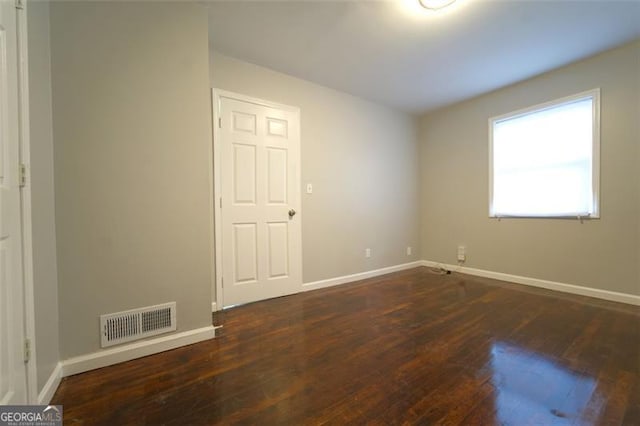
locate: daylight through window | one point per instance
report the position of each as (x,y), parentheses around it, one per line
(544,161)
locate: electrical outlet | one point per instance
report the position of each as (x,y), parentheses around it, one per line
(367,252)
(462,253)
(309,188)
(409,251)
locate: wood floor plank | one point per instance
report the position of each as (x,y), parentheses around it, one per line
(406,348)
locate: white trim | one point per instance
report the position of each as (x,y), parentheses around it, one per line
(535,282)
(217,195)
(25,205)
(212,211)
(547,105)
(595,157)
(219,93)
(123,353)
(49,388)
(359,276)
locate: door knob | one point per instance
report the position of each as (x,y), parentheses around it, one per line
(292,213)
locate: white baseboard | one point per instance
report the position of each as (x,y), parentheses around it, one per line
(535,282)
(131,351)
(49,388)
(359,276)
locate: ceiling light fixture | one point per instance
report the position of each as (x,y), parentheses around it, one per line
(435,4)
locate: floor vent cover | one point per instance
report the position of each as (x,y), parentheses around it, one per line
(137,324)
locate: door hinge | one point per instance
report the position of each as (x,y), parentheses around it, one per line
(22,177)
(27,350)
(222,282)
(19,4)
(220,202)
(220,123)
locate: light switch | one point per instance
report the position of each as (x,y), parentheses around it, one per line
(462,253)
(309,188)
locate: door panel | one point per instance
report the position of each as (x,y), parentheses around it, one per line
(276,176)
(277,127)
(278,250)
(259,172)
(13,384)
(243,122)
(244,174)
(245,252)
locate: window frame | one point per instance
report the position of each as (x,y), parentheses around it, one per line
(594,94)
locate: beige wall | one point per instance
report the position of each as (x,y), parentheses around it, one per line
(362,160)
(45,273)
(132,132)
(602,254)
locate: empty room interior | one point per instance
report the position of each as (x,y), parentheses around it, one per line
(321,212)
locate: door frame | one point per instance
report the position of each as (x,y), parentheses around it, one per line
(25,201)
(216,211)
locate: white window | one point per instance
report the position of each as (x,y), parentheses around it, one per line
(544,160)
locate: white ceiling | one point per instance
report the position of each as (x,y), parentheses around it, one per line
(394,53)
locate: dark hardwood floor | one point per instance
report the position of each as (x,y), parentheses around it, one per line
(406,348)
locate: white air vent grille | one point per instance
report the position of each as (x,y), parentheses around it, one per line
(121,327)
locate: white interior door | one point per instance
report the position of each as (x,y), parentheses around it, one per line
(13,383)
(261,232)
